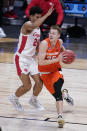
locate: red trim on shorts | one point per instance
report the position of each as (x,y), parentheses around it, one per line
(17,65)
(23,43)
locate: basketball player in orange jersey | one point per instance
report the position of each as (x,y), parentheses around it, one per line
(49,58)
(25,58)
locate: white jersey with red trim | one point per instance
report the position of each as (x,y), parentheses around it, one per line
(27,43)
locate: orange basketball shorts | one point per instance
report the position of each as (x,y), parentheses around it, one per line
(50,79)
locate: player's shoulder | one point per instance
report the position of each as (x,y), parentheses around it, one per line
(43,44)
(27,23)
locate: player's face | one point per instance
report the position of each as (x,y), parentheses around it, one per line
(53,35)
(35,17)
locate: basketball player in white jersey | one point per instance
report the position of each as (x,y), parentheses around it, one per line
(25,58)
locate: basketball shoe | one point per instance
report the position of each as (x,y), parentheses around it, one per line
(36,104)
(66,97)
(15,102)
(60,121)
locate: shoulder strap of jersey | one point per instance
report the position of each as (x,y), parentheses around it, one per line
(47,39)
(58,45)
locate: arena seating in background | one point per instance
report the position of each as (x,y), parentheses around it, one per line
(19,9)
(76,9)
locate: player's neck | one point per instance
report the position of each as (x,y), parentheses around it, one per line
(53,43)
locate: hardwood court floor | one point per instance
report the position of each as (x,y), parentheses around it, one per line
(32,120)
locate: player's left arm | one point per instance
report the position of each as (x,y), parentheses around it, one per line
(61,45)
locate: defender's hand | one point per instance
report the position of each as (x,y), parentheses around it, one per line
(50,10)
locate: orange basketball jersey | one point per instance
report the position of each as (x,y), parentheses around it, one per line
(51,53)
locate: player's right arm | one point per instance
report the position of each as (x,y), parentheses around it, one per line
(61,45)
(42,55)
(30,26)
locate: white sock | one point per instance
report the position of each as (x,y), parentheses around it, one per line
(15,96)
(59,114)
(34,97)
(11,8)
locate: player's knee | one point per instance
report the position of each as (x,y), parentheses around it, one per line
(28,87)
(59,83)
(57,87)
(58,97)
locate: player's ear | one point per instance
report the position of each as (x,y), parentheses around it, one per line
(58,35)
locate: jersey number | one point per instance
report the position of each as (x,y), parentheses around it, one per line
(35,42)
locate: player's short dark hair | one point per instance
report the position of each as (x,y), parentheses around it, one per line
(35,10)
(57,28)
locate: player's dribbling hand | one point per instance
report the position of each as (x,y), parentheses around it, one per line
(50,10)
(60,57)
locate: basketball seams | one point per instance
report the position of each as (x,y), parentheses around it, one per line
(68,56)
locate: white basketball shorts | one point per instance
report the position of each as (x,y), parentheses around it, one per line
(26,66)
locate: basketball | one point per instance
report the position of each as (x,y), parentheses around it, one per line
(68,56)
